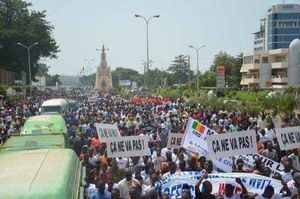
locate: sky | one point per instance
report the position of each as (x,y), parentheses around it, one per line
(82,26)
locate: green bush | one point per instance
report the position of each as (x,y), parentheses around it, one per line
(3,89)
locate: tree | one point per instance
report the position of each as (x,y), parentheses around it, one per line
(281,105)
(43,69)
(232,67)
(18,24)
(88,80)
(52,80)
(125,74)
(207,79)
(180,69)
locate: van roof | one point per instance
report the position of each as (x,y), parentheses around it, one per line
(44,124)
(55,102)
(30,142)
(45,173)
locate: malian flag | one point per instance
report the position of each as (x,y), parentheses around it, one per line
(198,127)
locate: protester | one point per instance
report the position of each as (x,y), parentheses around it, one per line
(156,117)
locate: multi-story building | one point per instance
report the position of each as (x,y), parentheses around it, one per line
(275,61)
(278,27)
(266,68)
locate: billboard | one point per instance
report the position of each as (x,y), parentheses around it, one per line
(220,76)
(125,82)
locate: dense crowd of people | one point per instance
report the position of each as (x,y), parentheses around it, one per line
(157,118)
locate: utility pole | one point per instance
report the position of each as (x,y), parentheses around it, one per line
(162,77)
(197,53)
(29,64)
(147,37)
(189,76)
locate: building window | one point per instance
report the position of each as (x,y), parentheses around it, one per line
(256,59)
(287,24)
(272,46)
(248,60)
(291,15)
(258,42)
(258,48)
(258,35)
(265,60)
(288,30)
(280,59)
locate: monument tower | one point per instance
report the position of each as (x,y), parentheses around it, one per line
(103,80)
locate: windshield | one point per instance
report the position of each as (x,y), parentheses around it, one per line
(51,109)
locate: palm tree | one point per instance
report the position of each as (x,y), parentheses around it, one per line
(281,105)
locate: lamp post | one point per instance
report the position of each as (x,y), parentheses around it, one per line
(89,69)
(197,52)
(29,67)
(147,31)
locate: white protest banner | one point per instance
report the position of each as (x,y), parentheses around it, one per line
(106,131)
(172,184)
(231,144)
(254,183)
(288,138)
(174,140)
(92,99)
(194,138)
(127,146)
(225,164)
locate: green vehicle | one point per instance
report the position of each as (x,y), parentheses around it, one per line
(32,142)
(39,132)
(43,173)
(44,124)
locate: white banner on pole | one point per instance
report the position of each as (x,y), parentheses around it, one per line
(172,184)
(288,138)
(231,144)
(127,146)
(225,164)
(106,131)
(174,140)
(194,138)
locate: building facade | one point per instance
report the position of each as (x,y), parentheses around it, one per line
(278,27)
(277,68)
(275,61)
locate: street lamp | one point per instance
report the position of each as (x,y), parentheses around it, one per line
(197,51)
(89,69)
(147,30)
(29,67)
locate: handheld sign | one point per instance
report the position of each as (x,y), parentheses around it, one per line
(106,131)
(127,146)
(174,140)
(232,144)
(225,164)
(195,136)
(288,138)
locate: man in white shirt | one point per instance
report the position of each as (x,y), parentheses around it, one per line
(294,185)
(286,174)
(229,194)
(295,157)
(122,162)
(270,133)
(269,194)
(262,122)
(127,183)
